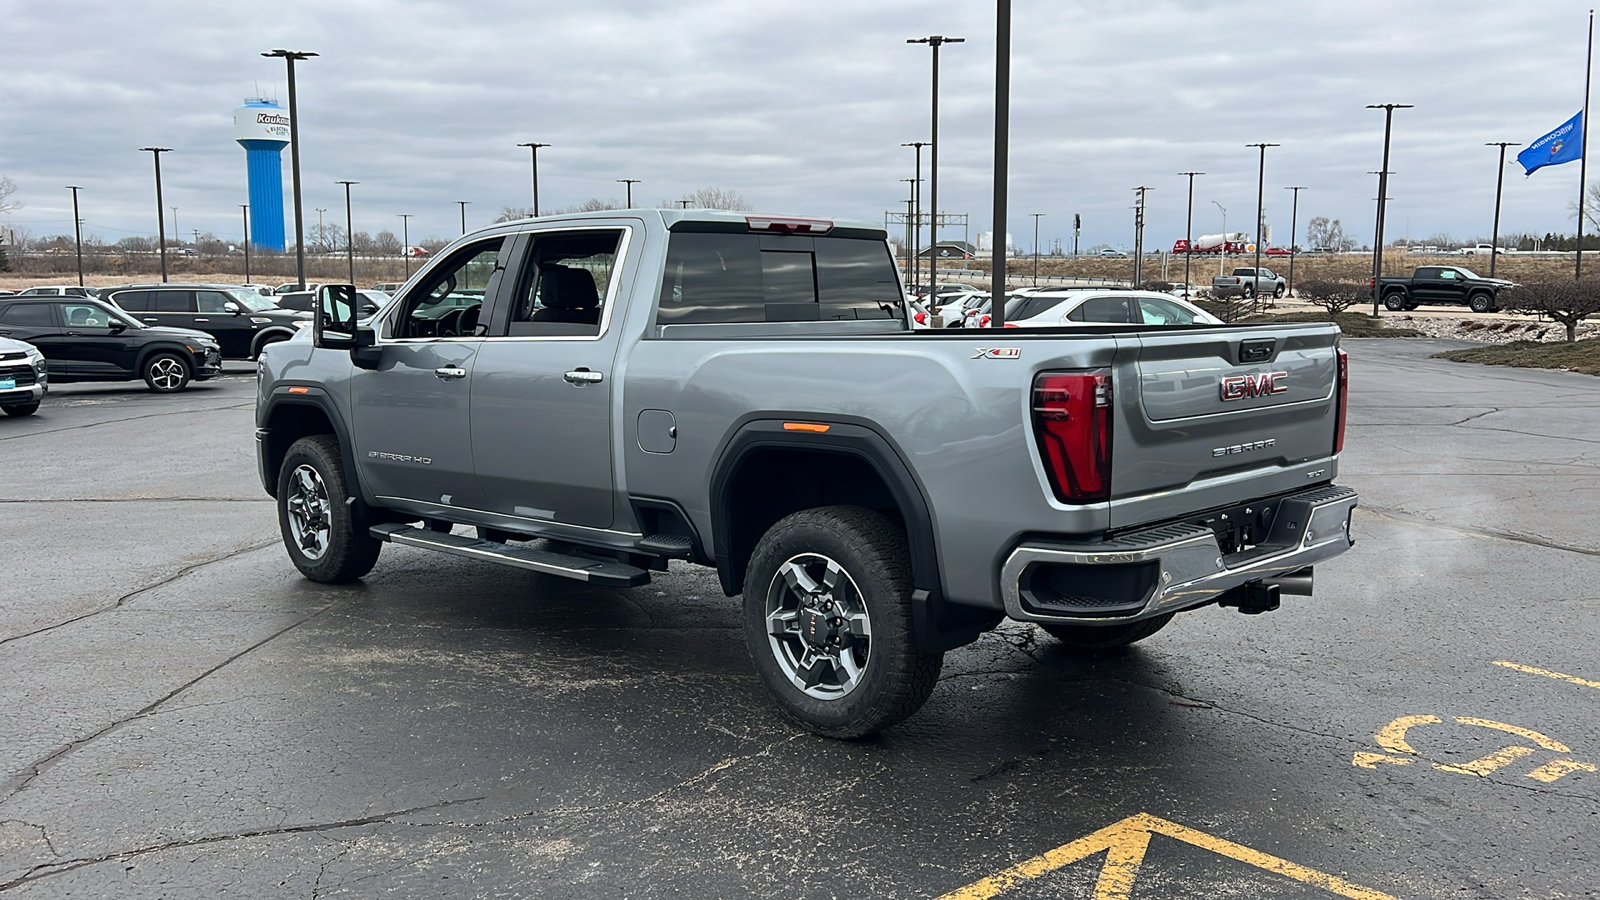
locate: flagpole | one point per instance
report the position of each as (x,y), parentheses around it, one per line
(1583,159)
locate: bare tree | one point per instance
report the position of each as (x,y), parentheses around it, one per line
(513,213)
(714,198)
(1323,233)
(1591,209)
(1333,296)
(385,243)
(1567,302)
(7,188)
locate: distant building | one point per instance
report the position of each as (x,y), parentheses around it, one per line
(262,128)
(949,250)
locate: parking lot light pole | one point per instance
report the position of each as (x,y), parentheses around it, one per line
(630,182)
(533,151)
(245,207)
(463,205)
(934,42)
(349,231)
(405,241)
(1261,186)
(1138,237)
(911,244)
(289,58)
(916,212)
(77,230)
(1499,185)
(1294,214)
(1383,195)
(1002,159)
(1188,232)
(1036,217)
(161,210)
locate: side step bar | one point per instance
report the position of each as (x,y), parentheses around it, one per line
(610,574)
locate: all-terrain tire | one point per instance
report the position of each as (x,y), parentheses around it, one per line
(315,516)
(1482,303)
(1100,638)
(22,409)
(1394,301)
(873,584)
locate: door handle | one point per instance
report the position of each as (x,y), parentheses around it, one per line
(150,318)
(446,373)
(74,334)
(202,320)
(582,376)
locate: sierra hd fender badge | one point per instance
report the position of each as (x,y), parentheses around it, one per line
(997,353)
(1238,387)
(399,457)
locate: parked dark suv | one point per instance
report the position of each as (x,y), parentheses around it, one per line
(239,318)
(90,340)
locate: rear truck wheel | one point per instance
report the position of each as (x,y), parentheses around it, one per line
(22,409)
(827,620)
(315,515)
(167,373)
(1394,301)
(1247,292)
(1278,292)
(1482,303)
(1100,638)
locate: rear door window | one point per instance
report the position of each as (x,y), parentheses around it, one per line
(1163,312)
(132,301)
(35,314)
(1102,310)
(720,278)
(173,302)
(565,279)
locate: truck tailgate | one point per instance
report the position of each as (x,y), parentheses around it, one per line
(1207,419)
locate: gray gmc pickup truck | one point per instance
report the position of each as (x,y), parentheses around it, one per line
(593,396)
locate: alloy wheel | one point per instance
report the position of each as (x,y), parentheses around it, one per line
(818,627)
(310,519)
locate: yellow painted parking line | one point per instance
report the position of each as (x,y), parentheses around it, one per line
(1534,670)
(1125,844)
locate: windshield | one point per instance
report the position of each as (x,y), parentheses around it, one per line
(249,299)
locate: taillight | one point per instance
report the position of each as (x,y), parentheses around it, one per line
(1009,325)
(1344,401)
(1072,422)
(922,318)
(983,322)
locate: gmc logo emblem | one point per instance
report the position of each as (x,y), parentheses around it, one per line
(1238,387)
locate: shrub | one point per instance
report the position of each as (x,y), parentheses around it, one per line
(1567,302)
(1333,296)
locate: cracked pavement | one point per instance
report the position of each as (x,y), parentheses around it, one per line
(187,717)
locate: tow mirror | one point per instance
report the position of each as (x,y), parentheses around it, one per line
(334,321)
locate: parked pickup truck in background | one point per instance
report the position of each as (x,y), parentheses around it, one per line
(1481,250)
(1441,284)
(592,396)
(1249,283)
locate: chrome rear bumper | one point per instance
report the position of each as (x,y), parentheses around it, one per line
(1170,567)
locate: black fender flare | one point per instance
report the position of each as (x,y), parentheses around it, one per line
(939,625)
(313,396)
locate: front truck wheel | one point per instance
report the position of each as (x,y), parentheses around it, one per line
(827,619)
(315,515)
(1096,638)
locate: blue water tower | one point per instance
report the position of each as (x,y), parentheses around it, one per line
(262,128)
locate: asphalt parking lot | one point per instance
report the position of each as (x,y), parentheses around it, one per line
(186,717)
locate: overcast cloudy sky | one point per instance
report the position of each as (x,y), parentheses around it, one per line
(799,106)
